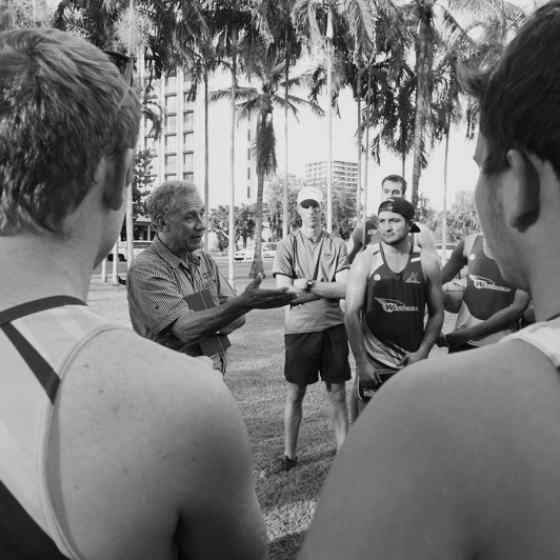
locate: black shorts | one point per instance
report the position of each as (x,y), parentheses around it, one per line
(326,352)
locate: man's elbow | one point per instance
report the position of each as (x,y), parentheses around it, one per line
(187,333)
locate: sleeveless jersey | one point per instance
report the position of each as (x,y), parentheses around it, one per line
(38,342)
(395,308)
(486,292)
(544,336)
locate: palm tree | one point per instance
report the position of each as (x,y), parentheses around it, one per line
(427,22)
(344,31)
(276,15)
(235,23)
(269,68)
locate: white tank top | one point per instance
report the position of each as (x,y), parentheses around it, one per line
(545,336)
(39,340)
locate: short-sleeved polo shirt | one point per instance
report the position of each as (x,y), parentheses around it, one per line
(300,257)
(158,284)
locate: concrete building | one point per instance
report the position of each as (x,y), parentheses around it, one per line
(179,152)
(344,176)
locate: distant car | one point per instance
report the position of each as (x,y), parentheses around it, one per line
(246,255)
(243,255)
(269,250)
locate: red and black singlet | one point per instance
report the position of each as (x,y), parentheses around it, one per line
(486,292)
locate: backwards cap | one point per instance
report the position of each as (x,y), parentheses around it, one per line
(402,207)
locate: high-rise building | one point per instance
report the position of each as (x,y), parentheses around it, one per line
(178,153)
(344,176)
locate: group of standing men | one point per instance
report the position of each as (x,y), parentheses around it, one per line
(109,450)
(393,298)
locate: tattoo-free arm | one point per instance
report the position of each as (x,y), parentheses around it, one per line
(332,290)
(355,297)
(456,262)
(501,319)
(435,303)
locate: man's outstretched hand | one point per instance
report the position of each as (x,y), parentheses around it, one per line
(257,298)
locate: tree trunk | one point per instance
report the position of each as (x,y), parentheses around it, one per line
(424,60)
(330,125)
(231,229)
(285,214)
(257,265)
(366,174)
(359,194)
(206,154)
(444,212)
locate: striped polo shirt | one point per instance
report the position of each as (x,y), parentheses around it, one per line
(39,341)
(162,287)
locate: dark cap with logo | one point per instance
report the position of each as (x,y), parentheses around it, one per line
(402,207)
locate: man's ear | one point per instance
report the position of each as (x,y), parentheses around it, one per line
(521,195)
(117,178)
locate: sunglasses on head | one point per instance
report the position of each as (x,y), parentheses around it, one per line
(309,204)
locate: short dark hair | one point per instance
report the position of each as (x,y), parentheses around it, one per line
(63,105)
(520,97)
(396,179)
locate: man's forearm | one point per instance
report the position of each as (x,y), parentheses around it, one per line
(329,290)
(432,332)
(500,320)
(353,325)
(191,326)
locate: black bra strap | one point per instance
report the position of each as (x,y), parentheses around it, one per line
(36,305)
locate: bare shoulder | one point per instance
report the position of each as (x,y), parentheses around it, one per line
(430,262)
(135,420)
(364,259)
(474,403)
(453,449)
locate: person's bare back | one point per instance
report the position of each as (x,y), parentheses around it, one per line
(146,447)
(112,446)
(463,462)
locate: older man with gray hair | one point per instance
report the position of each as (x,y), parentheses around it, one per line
(176,293)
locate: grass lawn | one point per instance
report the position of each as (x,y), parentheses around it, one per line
(255,376)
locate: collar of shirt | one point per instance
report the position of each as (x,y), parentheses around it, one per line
(322,234)
(192,259)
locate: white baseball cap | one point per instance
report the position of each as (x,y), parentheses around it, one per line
(310,193)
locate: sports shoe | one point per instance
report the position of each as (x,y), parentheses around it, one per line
(287,463)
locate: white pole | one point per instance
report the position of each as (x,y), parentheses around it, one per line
(285,186)
(330,118)
(231,228)
(444,213)
(114,277)
(104,271)
(366,174)
(129,204)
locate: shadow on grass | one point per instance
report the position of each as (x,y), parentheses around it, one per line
(286,547)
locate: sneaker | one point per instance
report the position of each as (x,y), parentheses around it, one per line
(288,463)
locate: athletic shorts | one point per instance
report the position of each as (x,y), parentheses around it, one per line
(325,352)
(366,389)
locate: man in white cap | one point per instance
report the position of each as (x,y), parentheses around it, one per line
(313,263)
